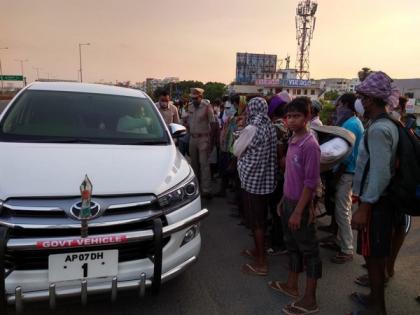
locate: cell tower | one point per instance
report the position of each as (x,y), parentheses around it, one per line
(305,27)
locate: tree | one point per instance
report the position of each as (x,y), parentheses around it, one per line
(214,90)
(327,110)
(182,89)
(331,95)
(157,92)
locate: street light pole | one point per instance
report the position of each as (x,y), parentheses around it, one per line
(21,69)
(37,72)
(1,72)
(80,59)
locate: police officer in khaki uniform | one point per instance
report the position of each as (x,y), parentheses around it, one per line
(200,115)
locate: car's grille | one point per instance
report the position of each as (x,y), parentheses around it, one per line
(48,218)
(129,210)
(38,259)
(51,233)
(60,208)
(6,212)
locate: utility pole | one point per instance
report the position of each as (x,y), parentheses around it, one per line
(80,59)
(1,72)
(21,69)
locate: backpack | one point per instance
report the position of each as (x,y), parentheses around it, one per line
(404,188)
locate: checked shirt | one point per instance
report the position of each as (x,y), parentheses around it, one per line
(258,164)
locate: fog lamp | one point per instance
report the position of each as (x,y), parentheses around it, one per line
(190,234)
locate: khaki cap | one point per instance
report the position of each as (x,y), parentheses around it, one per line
(196,91)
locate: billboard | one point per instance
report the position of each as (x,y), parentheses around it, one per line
(250,67)
(267,82)
(296,83)
(289,83)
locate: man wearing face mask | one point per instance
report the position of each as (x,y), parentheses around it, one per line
(167,109)
(343,175)
(200,116)
(315,110)
(229,112)
(375,167)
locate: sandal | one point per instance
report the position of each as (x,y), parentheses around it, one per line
(251,270)
(277,286)
(247,253)
(364,281)
(341,258)
(293,309)
(360,298)
(276,252)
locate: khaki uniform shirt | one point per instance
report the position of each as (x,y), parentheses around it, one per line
(199,118)
(170,115)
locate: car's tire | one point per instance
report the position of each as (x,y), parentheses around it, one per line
(3,242)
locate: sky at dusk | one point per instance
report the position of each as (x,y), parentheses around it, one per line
(135,39)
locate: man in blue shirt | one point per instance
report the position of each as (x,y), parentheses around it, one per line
(346,118)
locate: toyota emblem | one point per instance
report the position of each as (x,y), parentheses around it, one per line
(76,211)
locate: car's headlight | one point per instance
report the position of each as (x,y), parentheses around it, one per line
(180,195)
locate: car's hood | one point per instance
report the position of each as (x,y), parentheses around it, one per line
(31,170)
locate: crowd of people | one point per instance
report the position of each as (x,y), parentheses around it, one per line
(267,151)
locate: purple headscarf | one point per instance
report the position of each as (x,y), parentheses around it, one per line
(278,100)
(377,84)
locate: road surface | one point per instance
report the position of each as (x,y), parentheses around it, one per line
(215,285)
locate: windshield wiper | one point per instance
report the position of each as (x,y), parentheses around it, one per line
(156,142)
(58,140)
(85,140)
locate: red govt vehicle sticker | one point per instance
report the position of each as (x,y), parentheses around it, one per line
(104,240)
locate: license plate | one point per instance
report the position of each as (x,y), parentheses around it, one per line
(83,265)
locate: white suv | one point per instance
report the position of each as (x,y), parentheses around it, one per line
(65,144)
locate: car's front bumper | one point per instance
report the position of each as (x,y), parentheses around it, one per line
(32,285)
(85,287)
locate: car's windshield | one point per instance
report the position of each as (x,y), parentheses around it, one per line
(55,116)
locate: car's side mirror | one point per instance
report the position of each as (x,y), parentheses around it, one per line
(177,130)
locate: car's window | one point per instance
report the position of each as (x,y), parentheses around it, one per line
(54,116)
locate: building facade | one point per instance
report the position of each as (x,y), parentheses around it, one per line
(339,85)
(250,67)
(152,84)
(295,87)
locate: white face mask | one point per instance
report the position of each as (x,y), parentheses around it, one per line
(229,109)
(358,106)
(396,115)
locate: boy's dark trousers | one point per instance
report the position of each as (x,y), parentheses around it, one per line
(301,244)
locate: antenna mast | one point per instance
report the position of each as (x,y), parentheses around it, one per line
(305,27)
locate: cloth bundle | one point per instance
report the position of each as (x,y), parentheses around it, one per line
(336,144)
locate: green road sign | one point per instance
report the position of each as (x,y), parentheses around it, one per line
(11,78)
